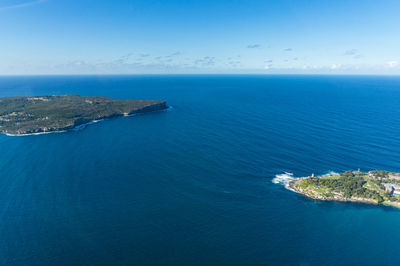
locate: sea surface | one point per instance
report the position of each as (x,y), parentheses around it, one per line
(197,184)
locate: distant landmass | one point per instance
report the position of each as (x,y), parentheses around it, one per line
(43,114)
(373,187)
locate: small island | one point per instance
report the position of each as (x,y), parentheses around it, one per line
(373,187)
(45,114)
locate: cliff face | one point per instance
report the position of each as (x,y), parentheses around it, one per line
(151,108)
(27,115)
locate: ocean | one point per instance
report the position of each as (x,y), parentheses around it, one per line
(197,184)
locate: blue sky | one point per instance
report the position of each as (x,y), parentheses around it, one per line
(199,36)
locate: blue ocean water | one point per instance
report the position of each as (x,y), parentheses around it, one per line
(193,185)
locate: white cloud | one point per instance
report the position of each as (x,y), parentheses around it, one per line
(20,5)
(392,64)
(78,63)
(336,66)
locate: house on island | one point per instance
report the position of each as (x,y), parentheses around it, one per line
(395,176)
(378,174)
(392,189)
(381,175)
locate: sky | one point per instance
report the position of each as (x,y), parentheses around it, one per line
(199,37)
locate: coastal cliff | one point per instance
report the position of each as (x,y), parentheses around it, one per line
(44,114)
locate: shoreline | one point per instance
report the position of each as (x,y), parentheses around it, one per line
(84,125)
(293,186)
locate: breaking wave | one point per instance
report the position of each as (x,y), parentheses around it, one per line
(79,127)
(332,173)
(283,179)
(34,134)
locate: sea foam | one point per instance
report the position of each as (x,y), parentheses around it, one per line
(283,179)
(34,134)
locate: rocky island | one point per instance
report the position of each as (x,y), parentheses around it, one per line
(373,187)
(43,114)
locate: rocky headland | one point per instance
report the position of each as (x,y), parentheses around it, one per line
(373,187)
(44,114)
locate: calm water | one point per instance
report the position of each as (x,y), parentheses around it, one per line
(193,186)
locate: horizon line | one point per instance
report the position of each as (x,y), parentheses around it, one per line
(202,74)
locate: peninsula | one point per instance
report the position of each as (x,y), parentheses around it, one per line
(373,187)
(42,114)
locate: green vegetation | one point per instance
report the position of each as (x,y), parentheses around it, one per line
(350,185)
(379,173)
(24,115)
